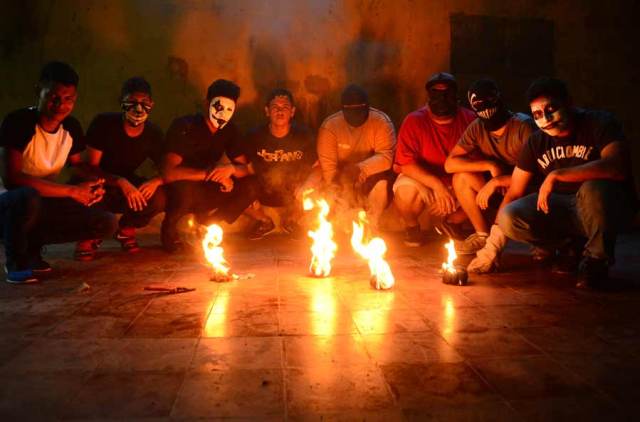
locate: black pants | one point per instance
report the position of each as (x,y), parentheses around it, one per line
(200,198)
(31,221)
(115,201)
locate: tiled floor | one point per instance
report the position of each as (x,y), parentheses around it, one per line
(519,345)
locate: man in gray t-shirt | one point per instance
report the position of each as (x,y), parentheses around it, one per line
(483,160)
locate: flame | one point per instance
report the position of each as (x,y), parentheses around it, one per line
(448,266)
(324,248)
(373,252)
(213,252)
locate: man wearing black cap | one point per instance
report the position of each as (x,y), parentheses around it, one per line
(482,163)
(355,150)
(424,141)
(197,176)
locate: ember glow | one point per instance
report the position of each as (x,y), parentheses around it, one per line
(452,256)
(214,253)
(323,248)
(373,251)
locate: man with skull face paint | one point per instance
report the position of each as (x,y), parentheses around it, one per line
(489,146)
(587,192)
(355,151)
(198,178)
(118,144)
(424,141)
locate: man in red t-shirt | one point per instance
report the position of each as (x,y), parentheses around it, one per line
(424,141)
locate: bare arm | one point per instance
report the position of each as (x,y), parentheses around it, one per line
(612,165)
(459,161)
(85,193)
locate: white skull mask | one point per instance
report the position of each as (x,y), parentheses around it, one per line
(220,111)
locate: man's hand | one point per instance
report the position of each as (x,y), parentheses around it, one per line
(220,173)
(484,194)
(226,185)
(88,193)
(148,188)
(135,198)
(487,258)
(445,203)
(545,190)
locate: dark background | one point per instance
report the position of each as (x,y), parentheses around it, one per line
(315,47)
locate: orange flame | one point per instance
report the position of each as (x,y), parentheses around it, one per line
(448,266)
(213,252)
(324,248)
(373,252)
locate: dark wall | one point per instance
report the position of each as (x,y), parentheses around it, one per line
(314,48)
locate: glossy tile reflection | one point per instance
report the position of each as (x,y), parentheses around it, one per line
(286,346)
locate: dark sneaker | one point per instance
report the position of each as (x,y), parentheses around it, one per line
(86,250)
(127,239)
(40,267)
(541,255)
(567,258)
(471,244)
(453,231)
(593,273)
(413,237)
(261,229)
(20,276)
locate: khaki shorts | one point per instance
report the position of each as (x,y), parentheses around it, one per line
(425,193)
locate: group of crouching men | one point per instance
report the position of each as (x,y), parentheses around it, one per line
(559,181)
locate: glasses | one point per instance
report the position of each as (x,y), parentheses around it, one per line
(129,105)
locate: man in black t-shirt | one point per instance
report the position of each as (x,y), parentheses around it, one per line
(38,143)
(586,192)
(118,144)
(282,154)
(197,176)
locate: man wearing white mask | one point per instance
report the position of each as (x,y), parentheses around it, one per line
(117,145)
(199,178)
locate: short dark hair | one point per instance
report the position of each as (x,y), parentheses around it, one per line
(58,72)
(135,84)
(548,87)
(223,88)
(279,92)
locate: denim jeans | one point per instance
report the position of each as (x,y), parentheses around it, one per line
(185,197)
(30,221)
(598,212)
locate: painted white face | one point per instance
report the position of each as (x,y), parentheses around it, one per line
(220,111)
(551,116)
(136,107)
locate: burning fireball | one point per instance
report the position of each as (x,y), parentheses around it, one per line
(215,254)
(323,248)
(451,274)
(373,252)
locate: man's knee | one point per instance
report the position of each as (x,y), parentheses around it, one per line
(595,192)
(406,195)
(464,181)
(510,220)
(378,194)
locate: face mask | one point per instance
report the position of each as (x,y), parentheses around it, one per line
(220,111)
(136,113)
(489,109)
(356,116)
(552,117)
(443,102)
